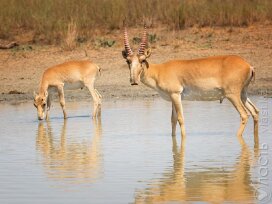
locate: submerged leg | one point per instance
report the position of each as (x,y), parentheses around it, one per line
(176,100)
(174,120)
(62,100)
(254,113)
(99,105)
(48,106)
(96,100)
(237,103)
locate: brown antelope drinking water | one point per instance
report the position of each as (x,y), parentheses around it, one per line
(206,79)
(74,75)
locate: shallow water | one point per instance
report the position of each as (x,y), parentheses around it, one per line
(129,155)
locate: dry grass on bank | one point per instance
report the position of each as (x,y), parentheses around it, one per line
(68,21)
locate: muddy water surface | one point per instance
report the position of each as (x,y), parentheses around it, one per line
(129,155)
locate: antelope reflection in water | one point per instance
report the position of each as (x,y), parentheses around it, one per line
(215,185)
(74,162)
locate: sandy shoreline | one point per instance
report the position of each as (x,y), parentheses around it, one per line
(21,69)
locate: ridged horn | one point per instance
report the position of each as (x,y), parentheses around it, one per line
(126,42)
(143,42)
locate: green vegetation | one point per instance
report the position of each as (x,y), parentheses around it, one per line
(65,21)
(104,42)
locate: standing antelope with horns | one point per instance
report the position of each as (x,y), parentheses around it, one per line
(74,75)
(206,79)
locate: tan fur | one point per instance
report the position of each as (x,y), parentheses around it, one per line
(229,73)
(72,72)
(211,78)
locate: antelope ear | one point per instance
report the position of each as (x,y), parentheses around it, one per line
(147,53)
(142,58)
(46,94)
(124,54)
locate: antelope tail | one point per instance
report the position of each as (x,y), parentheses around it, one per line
(99,70)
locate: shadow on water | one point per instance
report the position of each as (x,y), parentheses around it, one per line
(216,185)
(70,161)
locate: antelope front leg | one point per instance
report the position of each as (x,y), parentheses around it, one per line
(48,107)
(176,101)
(174,120)
(62,101)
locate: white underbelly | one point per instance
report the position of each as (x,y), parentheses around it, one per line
(202,95)
(73,85)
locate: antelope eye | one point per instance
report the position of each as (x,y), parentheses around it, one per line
(43,105)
